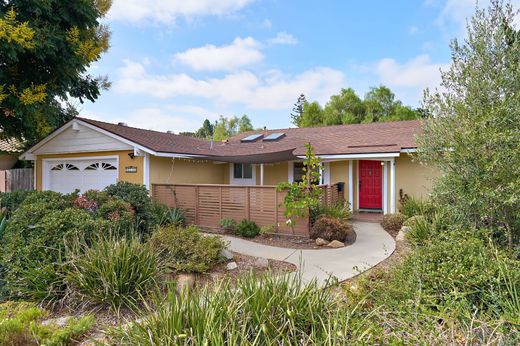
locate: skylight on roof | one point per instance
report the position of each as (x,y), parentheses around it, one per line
(274,136)
(252,137)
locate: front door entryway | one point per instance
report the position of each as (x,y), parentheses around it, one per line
(370,185)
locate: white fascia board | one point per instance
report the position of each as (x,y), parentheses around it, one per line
(409,150)
(355,156)
(181,156)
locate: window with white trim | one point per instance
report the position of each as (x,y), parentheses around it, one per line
(242,171)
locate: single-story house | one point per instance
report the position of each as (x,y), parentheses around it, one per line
(372,160)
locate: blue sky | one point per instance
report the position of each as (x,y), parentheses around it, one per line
(173,63)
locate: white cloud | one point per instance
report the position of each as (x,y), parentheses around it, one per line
(417,72)
(267,24)
(283,38)
(240,53)
(274,90)
(413,30)
(166,11)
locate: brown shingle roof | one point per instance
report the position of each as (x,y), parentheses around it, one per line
(328,140)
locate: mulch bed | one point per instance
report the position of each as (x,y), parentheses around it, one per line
(283,240)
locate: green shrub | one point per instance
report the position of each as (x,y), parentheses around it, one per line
(111,272)
(158,212)
(337,210)
(20,324)
(12,200)
(228,224)
(34,239)
(175,217)
(330,228)
(119,212)
(137,196)
(269,310)
(392,223)
(412,207)
(247,228)
(267,229)
(187,249)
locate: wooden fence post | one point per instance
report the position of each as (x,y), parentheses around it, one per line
(197,205)
(220,202)
(276,208)
(248,203)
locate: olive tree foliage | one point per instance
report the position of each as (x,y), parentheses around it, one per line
(473,137)
(46,48)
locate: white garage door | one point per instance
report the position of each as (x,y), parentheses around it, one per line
(84,174)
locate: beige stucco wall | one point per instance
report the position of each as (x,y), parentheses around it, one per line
(339,173)
(415,179)
(165,170)
(275,173)
(124,160)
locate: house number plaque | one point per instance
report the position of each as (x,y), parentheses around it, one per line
(130,169)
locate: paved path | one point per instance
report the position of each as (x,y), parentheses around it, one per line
(372,245)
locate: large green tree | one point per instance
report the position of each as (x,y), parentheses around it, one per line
(228,127)
(46,48)
(474,135)
(379,104)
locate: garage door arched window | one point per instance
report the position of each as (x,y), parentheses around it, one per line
(108,166)
(92,167)
(65,167)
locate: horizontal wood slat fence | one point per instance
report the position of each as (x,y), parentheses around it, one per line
(16,179)
(206,205)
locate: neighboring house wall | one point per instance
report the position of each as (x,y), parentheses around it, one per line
(124,161)
(415,179)
(165,170)
(7,161)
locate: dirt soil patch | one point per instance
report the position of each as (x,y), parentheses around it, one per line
(245,265)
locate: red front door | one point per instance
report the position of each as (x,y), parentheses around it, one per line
(370,185)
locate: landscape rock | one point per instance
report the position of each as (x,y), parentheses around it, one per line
(261,262)
(401,236)
(232,266)
(184,281)
(59,322)
(321,242)
(226,254)
(336,244)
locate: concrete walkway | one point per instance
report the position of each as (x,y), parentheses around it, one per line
(372,246)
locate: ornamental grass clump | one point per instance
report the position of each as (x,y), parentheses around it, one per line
(269,310)
(111,272)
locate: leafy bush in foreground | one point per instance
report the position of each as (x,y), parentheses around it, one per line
(336,210)
(456,282)
(247,228)
(137,196)
(33,242)
(111,272)
(186,249)
(268,310)
(330,228)
(20,324)
(12,200)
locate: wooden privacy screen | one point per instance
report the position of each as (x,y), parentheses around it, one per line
(205,205)
(16,179)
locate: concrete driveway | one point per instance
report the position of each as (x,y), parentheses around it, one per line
(372,246)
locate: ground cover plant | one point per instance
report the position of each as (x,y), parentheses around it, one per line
(21,325)
(247,228)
